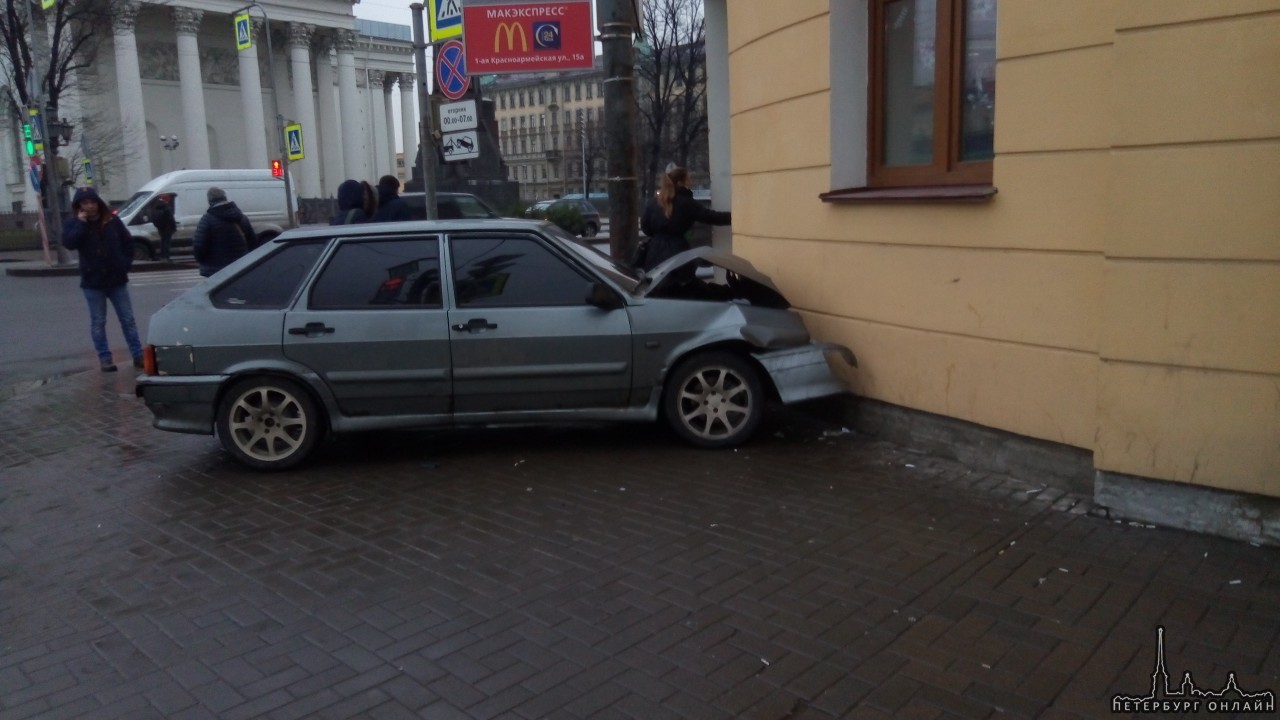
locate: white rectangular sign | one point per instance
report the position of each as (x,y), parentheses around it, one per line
(460,146)
(458,116)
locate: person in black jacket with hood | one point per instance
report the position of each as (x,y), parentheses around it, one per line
(106,254)
(668,218)
(352,203)
(223,235)
(391,207)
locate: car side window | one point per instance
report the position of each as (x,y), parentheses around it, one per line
(512,272)
(272,283)
(471,208)
(380,274)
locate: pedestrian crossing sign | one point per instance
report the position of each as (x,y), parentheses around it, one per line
(293,138)
(88,171)
(46,4)
(445,18)
(244,33)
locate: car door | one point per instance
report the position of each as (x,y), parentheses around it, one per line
(374,328)
(523,336)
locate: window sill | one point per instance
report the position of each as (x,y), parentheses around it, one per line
(931,194)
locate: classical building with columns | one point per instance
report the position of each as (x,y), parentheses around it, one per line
(171,69)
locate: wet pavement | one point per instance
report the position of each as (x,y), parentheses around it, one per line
(589,572)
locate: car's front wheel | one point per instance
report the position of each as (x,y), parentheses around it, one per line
(141,250)
(268,423)
(714,400)
(590,230)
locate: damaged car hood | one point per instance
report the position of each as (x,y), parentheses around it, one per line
(695,256)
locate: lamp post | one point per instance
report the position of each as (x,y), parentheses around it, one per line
(169,143)
(59,133)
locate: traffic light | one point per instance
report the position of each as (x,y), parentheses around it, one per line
(26,137)
(277,169)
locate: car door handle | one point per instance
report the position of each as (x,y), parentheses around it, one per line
(312,329)
(476,325)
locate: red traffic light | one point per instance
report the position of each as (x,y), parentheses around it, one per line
(277,168)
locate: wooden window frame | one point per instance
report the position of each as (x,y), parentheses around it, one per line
(946,168)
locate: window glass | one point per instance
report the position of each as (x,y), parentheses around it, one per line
(272,283)
(513,272)
(910,36)
(379,274)
(577,91)
(553,93)
(978,96)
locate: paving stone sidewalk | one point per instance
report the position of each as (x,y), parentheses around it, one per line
(599,572)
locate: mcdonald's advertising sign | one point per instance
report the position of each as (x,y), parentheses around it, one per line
(521,36)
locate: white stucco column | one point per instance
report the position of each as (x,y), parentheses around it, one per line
(187,24)
(255,124)
(716,13)
(306,171)
(133,120)
(332,167)
(349,104)
(377,127)
(389,111)
(408,123)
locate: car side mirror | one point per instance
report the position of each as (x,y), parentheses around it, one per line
(599,295)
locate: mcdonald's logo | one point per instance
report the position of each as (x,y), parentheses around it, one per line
(510,29)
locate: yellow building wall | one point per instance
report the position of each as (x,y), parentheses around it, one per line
(1121,293)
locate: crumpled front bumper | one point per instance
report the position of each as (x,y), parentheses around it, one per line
(803,373)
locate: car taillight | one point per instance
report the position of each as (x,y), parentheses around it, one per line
(149,360)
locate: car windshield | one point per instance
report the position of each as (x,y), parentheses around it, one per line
(135,203)
(623,276)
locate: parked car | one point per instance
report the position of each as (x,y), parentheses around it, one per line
(449,206)
(582,218)
(470,322)
(259,195)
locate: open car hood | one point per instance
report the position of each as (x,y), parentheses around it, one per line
(699,256)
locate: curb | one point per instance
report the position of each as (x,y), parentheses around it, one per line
(42,270)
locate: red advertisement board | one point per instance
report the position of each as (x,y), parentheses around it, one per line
(521,37)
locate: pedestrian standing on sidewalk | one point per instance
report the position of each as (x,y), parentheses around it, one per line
(162,218)
(223,235)
(391,207)
(106,254)
(668,218)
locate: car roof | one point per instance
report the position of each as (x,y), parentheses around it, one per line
(413,226)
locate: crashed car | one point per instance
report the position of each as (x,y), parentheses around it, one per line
(465,323)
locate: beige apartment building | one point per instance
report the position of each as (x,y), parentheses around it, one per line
(1055,220)
(551,127)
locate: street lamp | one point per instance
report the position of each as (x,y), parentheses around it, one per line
(59,132)
(169,143)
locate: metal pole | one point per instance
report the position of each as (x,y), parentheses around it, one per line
(50,182)
(617,21)
(275,102)
(426,145)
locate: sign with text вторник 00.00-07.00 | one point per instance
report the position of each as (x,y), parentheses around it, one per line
(521,37)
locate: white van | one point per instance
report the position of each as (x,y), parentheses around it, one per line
(258,194)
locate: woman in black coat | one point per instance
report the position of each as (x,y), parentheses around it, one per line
(669,216)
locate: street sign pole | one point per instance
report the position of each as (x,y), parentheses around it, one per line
(275,101)
(425,145)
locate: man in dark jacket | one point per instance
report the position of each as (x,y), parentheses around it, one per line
(351,204)
(106,254)
(223,235)
(391,207)
(162,218)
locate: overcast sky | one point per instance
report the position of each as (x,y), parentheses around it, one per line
(392,11)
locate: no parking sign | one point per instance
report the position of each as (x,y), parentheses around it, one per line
(451,70)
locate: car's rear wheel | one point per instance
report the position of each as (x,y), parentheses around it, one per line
(714,400)
(590,230)
(268,423)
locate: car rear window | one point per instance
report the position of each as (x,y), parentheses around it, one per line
(272,283)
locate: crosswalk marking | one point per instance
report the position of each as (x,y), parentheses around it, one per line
(186,277)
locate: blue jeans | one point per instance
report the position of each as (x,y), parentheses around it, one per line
(119,297)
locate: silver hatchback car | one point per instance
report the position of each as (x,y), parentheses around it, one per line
(470,322)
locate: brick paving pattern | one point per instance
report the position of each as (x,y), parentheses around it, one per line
(581,573)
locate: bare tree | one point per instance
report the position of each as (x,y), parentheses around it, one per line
(671,86)
(40,54)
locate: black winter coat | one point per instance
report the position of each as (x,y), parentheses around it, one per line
(223,236)
(162,218)
(391,207)
(106,251)
(350,204)
(667,234)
